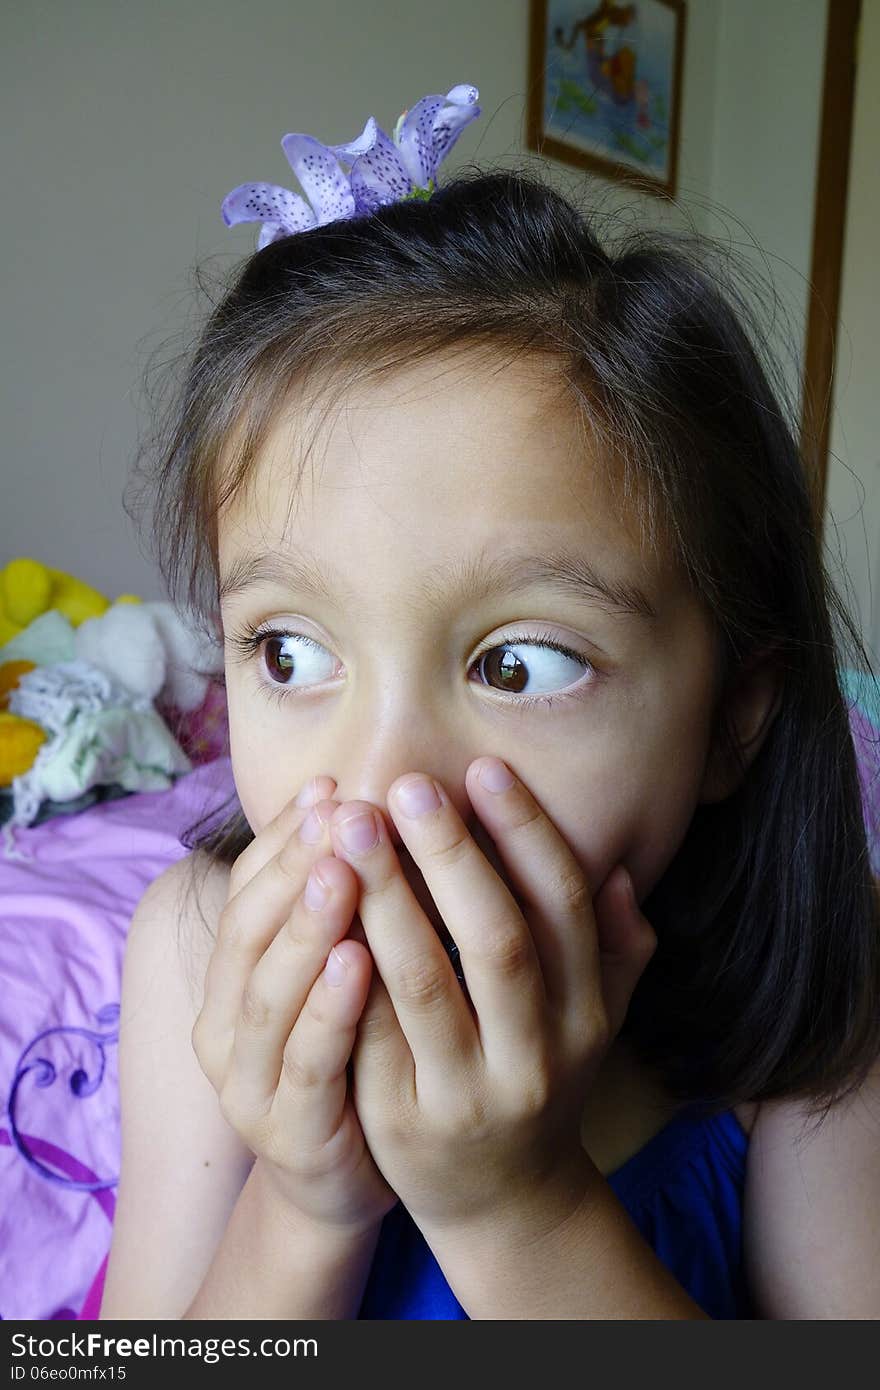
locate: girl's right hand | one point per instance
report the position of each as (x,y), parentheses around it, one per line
(276,1032)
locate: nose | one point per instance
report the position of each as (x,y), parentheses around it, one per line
(376,792)
(397,734)
(374,788)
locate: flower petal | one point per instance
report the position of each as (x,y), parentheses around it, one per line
(463,95)
(271,231)
(379,175)
(317,168)
(415,139)
(349,152)
(431,128)
(461,109)
(268,203)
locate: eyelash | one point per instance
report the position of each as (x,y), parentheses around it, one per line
(246,644)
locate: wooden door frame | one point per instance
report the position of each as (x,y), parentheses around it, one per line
(829,231)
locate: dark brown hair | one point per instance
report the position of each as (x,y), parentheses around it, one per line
(766,979)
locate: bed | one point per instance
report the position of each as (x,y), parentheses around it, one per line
(66,905)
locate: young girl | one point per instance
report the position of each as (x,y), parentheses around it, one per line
(544,929)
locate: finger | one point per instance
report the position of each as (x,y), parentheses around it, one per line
(496,953)
(425,995)
(268,841)
(310,1101)
(627,941)
(250,920)
(496,950)
(383,1060)
(283,977)
(551,886)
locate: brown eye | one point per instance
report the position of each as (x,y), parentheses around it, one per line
(291,659)
(531,667)
(281,663)
(278,659)
(505,667)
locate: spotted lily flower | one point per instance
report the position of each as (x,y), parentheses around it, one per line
(381,170)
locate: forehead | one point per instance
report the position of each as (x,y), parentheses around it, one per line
(439,459)
(424,487)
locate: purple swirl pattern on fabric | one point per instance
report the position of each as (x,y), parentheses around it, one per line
(44,1073)
(64,916)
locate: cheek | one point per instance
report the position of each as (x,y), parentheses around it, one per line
(265,782)
(659,808)
(627,800)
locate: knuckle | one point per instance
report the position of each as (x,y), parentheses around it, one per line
(454,853)
(316,1009)
(239,874)
(468,1113)
(376,1027)
(506,950)
(289,861)
(256,1010)
(523,814)
(295,932)
(247,866)
(592,1033)
(535,1093)
(573,892)
(298,1072)
(601,1031)
(420,981)
(231,929)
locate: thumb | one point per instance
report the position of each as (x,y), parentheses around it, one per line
(627,941)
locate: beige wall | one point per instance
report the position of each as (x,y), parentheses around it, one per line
(852,532)
(123,124)
(767,117)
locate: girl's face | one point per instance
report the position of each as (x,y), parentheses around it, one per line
(398,654)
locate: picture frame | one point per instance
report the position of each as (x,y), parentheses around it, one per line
(604,87)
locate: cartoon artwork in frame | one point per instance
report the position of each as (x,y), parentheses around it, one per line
(605,87)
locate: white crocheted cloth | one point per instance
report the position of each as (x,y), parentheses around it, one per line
(100,733)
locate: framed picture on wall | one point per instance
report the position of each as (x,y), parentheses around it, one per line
(605,87)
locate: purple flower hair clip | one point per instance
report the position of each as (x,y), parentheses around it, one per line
(381,170)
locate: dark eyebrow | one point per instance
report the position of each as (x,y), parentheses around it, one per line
(561,570)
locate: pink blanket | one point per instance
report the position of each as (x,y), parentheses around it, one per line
(64,914)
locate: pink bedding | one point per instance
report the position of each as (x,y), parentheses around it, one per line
(64,914)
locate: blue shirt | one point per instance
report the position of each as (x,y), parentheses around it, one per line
(683,1189)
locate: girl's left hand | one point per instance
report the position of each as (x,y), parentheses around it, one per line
(473,1110)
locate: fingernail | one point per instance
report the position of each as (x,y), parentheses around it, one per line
(495,775)
(309,794)
(359,833)
(417,797)
(316,891)
(336,968)
(312,827)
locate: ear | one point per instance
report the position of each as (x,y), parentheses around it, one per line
(749,707)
